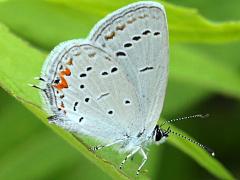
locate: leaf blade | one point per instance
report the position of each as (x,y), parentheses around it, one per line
(15,82)
(200,155)
(12,85)
(23,94)
(185,24)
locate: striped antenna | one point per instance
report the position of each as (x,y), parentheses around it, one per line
(36,87)
(40,79)
(210,151)
(186,117)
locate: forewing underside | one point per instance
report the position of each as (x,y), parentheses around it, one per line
(137,36)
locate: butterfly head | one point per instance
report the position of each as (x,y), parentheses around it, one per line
(160,135)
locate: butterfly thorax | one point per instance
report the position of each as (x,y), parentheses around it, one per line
(131,143)
(144,138)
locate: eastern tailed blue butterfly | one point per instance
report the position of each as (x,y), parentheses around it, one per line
(111,86)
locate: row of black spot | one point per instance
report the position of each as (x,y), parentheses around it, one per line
(104,73)
(113,70)
(88,99)
(84,74)
(135,38)
(76,103)
(110,112)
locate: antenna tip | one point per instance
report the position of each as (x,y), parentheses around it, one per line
(39,78)
(210,151)
(205,115)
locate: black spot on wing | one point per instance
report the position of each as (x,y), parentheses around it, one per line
(156,33)
(80,119)
(83,75)
(146,69)
(86,100)
(82,86)
(114,69)
(89,68)
(104,73)
(136,38)
(127,45)
(127,102)
(75,105)
(103,95)
(110,112)
(146,32)
(120,53)
(56,81)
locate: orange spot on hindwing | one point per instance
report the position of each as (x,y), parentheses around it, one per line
(63,83)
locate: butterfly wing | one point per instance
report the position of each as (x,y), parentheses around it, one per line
(88,92)
(137,36)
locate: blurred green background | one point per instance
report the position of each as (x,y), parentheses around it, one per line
(30,150)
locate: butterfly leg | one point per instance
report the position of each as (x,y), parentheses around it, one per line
(129,155)
(143,162)
(95,148)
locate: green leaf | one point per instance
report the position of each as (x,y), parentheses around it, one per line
(45,24)
(29,149)
(75,23)
(21,63)
(188,65)
(200,155)
(181,96)
(185,24)
(75,26)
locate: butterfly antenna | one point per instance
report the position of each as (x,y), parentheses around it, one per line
(186,117)
(210,151)
(37,87)
(40,79)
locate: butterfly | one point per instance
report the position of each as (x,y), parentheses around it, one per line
(111,86)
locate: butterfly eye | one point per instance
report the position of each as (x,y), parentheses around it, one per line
(158,135)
